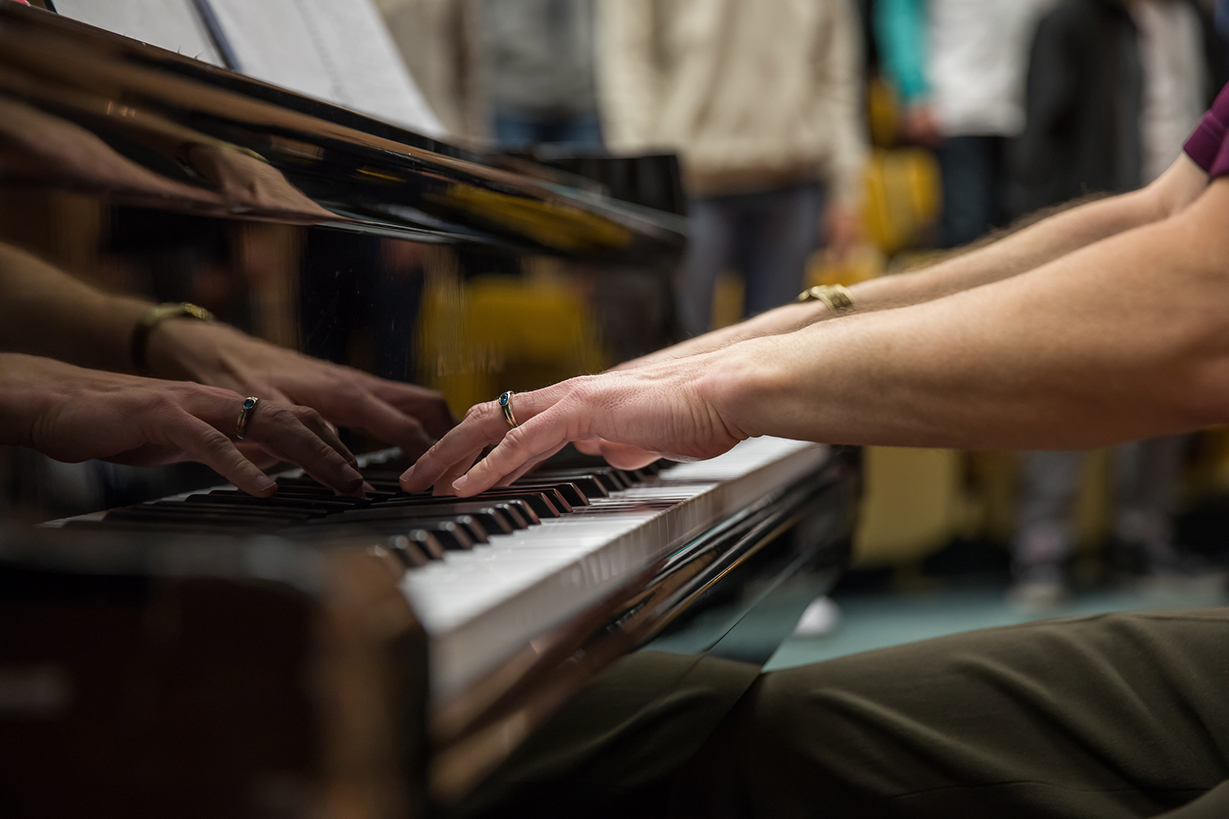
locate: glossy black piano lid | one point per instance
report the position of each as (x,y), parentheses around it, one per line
(184,134)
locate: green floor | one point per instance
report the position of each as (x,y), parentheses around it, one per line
(869,621)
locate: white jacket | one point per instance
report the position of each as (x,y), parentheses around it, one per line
(752,93)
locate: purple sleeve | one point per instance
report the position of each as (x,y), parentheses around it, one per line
(1206,144)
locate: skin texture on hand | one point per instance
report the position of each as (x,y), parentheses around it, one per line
(650,412)
(403,415)
(73,414)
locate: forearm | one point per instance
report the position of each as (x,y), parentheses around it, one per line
(784,319)
(44,311)
(1020,252)
(1120,340)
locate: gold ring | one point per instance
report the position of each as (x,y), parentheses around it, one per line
(245,412)
(505,404)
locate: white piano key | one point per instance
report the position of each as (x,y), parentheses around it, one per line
(479,606)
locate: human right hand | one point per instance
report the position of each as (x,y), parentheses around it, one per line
(636,416)
(73,414)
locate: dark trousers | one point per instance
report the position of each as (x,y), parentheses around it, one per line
(1119,716)
(1110,716)
(766,236)
(973,175)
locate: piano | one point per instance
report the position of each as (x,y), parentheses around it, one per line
(194,651)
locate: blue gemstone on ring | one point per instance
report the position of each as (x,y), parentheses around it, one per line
(248,403)
(503,399)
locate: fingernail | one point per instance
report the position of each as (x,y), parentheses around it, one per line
(368,487)
(351,475)
(459,483)
(264,483)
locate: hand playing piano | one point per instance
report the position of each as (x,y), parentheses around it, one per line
(403,415)
(637,415)
(74,414)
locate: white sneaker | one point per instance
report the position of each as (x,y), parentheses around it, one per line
(820,619)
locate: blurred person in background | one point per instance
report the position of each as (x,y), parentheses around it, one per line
(763,101)
(539,57)
(1114,87)
(957,67)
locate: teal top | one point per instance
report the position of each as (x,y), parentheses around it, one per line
(900,31)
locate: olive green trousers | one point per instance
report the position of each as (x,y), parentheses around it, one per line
(1111,716)
(1107,717)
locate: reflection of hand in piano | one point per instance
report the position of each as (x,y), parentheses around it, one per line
(402,415)
(636,415)
(73,414)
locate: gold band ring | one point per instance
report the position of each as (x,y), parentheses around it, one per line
(505,404)
(245,412)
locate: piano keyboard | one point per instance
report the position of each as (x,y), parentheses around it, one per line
(485,575)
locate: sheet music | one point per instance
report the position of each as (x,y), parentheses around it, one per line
(338,50)
(170,24)
(335,50)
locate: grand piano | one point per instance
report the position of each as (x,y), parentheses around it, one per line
(198,652)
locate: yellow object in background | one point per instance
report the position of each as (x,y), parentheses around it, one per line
(491,334)
(902,197)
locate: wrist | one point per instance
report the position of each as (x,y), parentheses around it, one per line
(185,349)
(733,384)
(23,398)
(149,323)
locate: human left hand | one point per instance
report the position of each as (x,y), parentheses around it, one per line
(638,415)
(403,415)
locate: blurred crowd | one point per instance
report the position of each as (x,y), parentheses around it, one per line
(798,126)
(1024,105)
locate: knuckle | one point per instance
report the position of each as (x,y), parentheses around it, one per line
(516,439)
(282,415)
(480,412)
(309,416)
(216,444)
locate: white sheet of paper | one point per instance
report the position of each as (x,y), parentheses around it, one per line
(337,50)
(170,24)
(334,50)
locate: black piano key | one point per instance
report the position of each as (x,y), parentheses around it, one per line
(416,548)
(228,510)
(197,520)
(569,492)
(500,517)
(421,539)
(168,526)
(424,535)
(302,494)
(588,485)
(539,501)
(450,534)
(277,502)
(479,527)
(309,486)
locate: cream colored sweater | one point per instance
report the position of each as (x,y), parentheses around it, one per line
(752,93)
